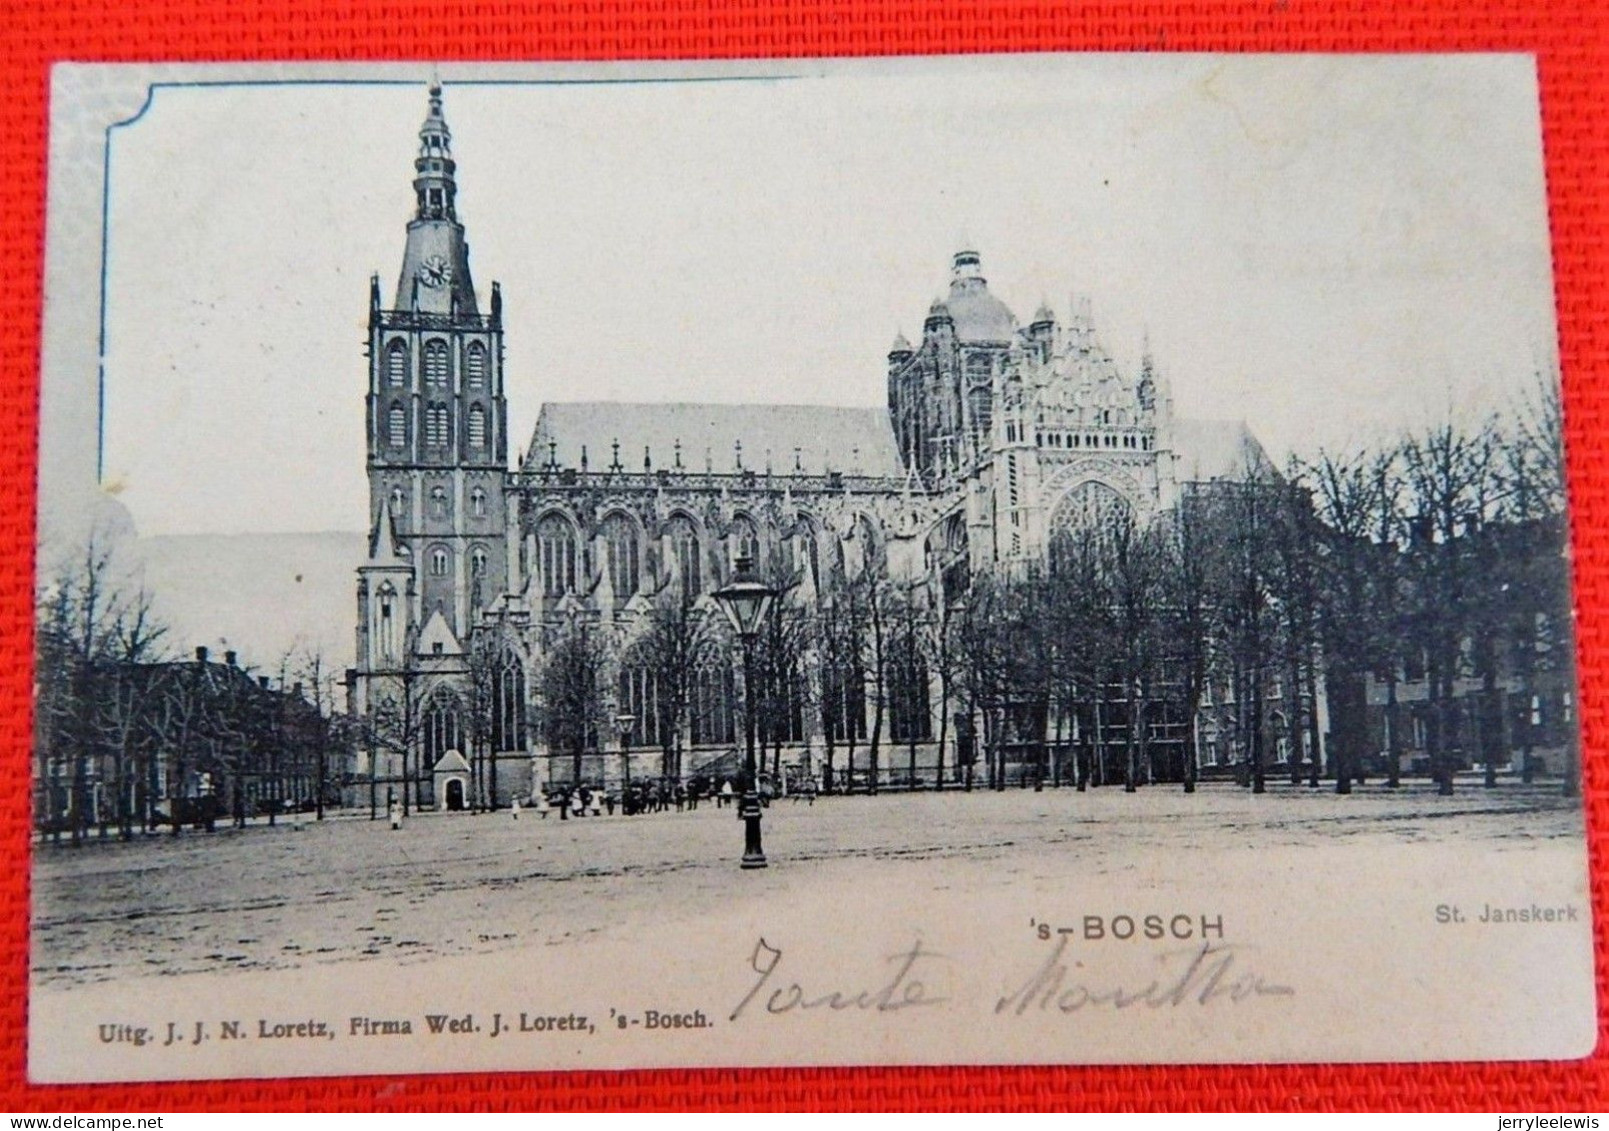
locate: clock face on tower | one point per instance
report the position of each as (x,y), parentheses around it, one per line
(435,271)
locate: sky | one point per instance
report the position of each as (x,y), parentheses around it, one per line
(1334,248)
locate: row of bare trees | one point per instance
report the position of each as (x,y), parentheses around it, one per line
(129,736)
(1445,560)
(1419,589)
(1435,567)
(842,664)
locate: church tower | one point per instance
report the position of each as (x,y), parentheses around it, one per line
(437,418)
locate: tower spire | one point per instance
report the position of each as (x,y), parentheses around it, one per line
(433,183)
(435,265)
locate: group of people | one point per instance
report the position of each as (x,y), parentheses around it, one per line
(652,796)
(635,797)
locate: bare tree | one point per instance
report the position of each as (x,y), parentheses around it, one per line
(842,640)
(1246,511)
(1538,443)
(1132,561)
(1389,583)
(911,652)
(330,732)
(1345,492)
(483,663)
(672,646)
(571,704)
(1189,616)
(93,738)
(875,652)
(1539,586)
(1448,469)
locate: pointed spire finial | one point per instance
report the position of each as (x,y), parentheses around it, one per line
(433,184)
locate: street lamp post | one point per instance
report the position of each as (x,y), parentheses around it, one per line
(746,600)
(623,723)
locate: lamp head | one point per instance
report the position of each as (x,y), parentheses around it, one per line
(746,599)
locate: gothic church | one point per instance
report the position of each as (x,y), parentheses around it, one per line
(996,436)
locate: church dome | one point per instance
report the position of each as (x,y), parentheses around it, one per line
(978,315)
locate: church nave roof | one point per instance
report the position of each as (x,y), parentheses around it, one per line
(813,439)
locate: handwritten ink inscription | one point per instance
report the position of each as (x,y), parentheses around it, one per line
(1198,976)
(1211,973)
(903,990)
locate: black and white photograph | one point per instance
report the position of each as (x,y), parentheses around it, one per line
(1047,559)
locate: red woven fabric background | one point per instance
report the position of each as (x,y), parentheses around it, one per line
(1570,40)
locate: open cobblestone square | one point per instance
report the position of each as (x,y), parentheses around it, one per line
(350,889)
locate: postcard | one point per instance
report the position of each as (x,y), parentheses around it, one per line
(1035,559)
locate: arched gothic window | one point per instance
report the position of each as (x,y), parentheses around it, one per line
(508,703)
(785,558)
(436,425)
(396,425)
(1086,517)
(685,552)
(399,501)
(477,503)
(910,718)
(780,703)
(710,711)
(477,561)
(436,363)
(443,729)
(805,555)
(556,552)
(811,552)
(745,542)
(477,426)
(831,552)
(441,561)
(438,502)
(871,545)
(475,367)
(638,696)
(844,686)
(620,540)
(385,619)
(396,363)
